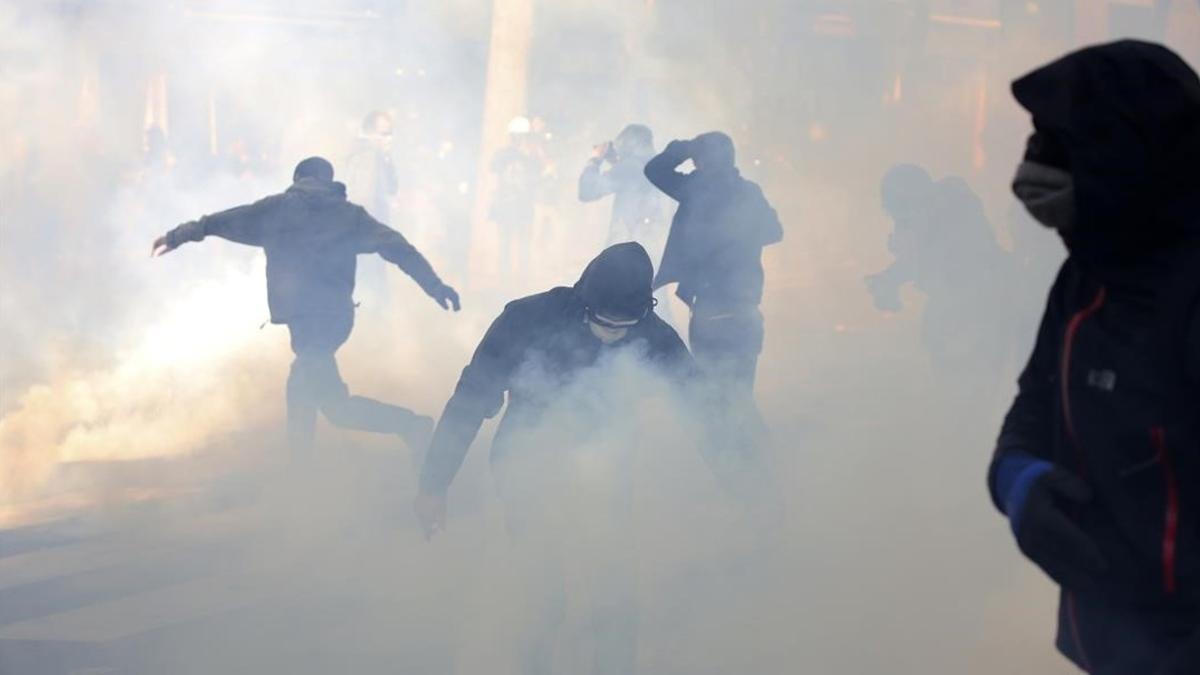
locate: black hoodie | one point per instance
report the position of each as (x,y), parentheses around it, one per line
(312,237)
(547,334)
(714,249)
(1112,390)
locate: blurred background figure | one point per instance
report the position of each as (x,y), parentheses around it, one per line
(520,168)
(944,246)
(617,168)
(372,181)
(371,176)
(157,158)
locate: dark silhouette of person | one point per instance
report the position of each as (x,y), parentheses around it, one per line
(535,351)
(1098,460)
(944,245)
(714,253)
(312,236)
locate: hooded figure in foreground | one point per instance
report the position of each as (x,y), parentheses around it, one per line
(556,355)
(1098,463)
(312,237)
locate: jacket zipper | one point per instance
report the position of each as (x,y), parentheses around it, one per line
(1170,537)
(1065,384)
(1065,372)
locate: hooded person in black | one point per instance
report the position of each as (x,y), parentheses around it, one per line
(312,236)
(1098,462)
(714,253)
(541,349)
(562,331)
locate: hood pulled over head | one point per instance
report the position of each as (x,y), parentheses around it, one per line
(316,191)
(1117,133)
(617,283)
(713,151)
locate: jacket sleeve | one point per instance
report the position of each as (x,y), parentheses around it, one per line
(1027,434)
(595,184)
(661,170)
(478,395)
(241,224)
(372,236)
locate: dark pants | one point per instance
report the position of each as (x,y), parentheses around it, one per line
(314,383)
(726,342)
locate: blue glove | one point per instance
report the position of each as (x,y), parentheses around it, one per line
(1039,499)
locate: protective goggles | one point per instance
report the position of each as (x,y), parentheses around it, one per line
(596,317)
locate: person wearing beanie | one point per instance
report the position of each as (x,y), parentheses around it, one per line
(1097,467)
(539,352)
(312,237)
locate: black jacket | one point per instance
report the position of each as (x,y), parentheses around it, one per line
(1112,393)
(714,249)
(311,236)
(547,334)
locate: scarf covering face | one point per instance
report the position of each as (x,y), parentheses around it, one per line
(1048,193)
(1127,118)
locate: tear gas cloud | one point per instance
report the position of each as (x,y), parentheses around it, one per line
(133,390)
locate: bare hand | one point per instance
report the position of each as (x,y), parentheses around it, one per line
(431,513)
(161,247)
(601,151)
(446,298)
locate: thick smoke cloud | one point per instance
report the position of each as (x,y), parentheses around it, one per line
(888,557)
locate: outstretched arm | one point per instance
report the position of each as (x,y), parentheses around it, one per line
(372,236)
(241,224)
(478,396)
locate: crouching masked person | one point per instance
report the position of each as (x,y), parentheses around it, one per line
(1098,462)
(575,363)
